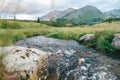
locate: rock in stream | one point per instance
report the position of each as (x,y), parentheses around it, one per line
(68,60)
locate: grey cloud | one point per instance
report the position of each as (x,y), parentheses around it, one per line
(19,6)
(104,5)
(40,7)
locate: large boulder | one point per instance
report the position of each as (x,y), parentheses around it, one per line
(23,61)
(116,41)
(87,37)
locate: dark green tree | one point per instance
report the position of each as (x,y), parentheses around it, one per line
(38,20)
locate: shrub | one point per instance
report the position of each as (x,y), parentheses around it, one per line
(55,34)
(17,37)
(14,25)
(6,37)
(4,24)
(103,41)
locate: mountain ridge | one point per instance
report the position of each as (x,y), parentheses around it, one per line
(87,14)
(53,15)
(115,13)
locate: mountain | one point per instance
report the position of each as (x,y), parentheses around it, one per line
(56,14)
(113,13)
(52,15)
(87,14)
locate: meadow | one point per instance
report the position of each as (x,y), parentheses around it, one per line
(12,31)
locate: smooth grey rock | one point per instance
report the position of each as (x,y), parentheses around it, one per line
(87,37)
(116,41)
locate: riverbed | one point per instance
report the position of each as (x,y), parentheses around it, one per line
(69,60)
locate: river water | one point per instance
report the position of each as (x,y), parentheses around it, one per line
(68,60)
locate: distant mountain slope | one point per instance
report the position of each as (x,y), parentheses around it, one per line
(87,14)
(113,13)
(56,14)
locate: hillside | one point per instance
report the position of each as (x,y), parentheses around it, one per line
(113,13)
(56,14)
(87,14)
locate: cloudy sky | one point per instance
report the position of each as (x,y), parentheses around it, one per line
(31,9)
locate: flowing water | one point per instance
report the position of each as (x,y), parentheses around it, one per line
(68,60)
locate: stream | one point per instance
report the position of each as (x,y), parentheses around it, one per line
(69,60)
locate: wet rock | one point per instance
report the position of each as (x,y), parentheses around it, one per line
(116,41)
(51,44)
(87,53)
(68,60)
(81,60)
(87,37)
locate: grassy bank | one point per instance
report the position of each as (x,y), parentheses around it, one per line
(11,31)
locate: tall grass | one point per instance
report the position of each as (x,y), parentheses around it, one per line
(19,30)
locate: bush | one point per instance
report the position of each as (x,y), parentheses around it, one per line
(56,34)
(4,24)
(6,37)
(17,37)
(14,25)
(103,41)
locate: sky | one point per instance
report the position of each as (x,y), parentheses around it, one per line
(31,9)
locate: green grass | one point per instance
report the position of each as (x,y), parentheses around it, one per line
(11,32)
(17,30)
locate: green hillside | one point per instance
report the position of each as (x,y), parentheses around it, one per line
(87,14)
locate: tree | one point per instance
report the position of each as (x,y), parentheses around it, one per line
(14,16)
(38,20)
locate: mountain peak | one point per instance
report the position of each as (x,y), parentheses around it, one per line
(55,11)
(88,7)
(71,8)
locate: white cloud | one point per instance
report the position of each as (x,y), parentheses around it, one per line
(24,17)
(39,7)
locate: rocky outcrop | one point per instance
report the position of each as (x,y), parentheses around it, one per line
(87,37)
(116,41)
(23,62)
